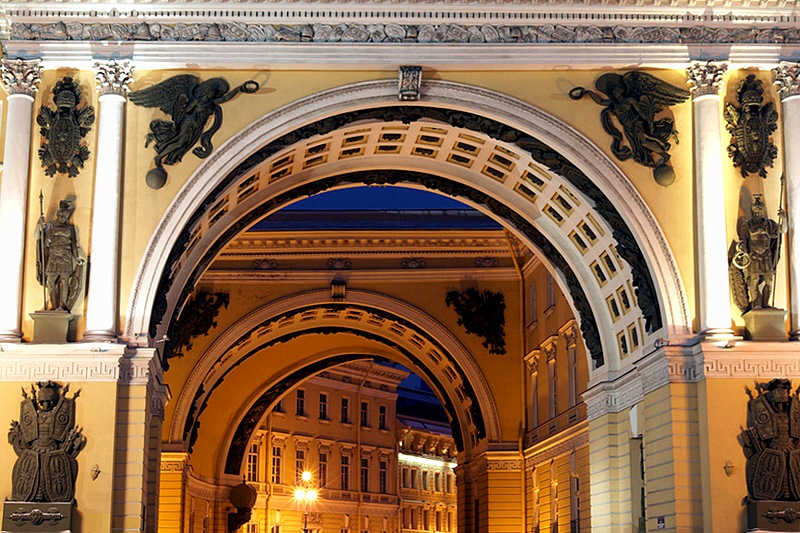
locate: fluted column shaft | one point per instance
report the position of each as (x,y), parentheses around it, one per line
(101,311)
(787,77)
(714,296)
(20,79)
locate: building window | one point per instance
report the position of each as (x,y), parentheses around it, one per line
(426,518)
(382,417)
(300,408)
(414,484)
(532,311)
(299,465)
(534,399)
(437,481)
(345,472)
(551,291)
(572,359)
(278,407)
(252,461)
(406,480)
(252,528)
(552,377)
(322,469)
(364,414)
(383,474)
(425,480)
(274,529)
(448,480)
(277,453)
(345,411)
(364,474)
(323,406)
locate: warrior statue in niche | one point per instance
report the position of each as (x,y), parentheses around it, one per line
(753,264)
(59,266)
(46,442)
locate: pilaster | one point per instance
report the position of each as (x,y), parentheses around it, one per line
(101,312)
(20,78)
(712,245)
(787,78)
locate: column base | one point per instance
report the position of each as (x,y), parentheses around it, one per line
(767,324)
(51,327)
(717,334)
(100,335)
(12,335)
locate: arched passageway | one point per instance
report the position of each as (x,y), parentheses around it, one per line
(527,172)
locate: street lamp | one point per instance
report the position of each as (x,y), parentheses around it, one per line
(307,494)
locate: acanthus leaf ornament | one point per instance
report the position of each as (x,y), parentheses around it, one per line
(634,99)
(63,129)
(750,125)
(190,103)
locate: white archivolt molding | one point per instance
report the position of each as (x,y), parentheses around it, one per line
(222,354)
(563,138)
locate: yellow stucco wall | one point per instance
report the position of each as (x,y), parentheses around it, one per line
(144,207)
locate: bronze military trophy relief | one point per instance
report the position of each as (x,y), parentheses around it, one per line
(750,125)
(190,103)
(771,444)
(62,130)
(46,442)
(633,100)
(752,271)
(59,269)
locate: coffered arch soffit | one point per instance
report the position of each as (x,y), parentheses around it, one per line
(409,336)
(525,168)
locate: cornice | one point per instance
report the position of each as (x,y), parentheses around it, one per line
(301,34)
(324,276)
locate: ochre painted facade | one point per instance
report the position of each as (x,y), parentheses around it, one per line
(619,398)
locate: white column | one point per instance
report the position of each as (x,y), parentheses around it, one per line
(101,311)
(20,78)
(787,77)
(714,296)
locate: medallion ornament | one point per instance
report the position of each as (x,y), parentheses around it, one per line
(633,100)
(750,125)
(63,128)
(190,103)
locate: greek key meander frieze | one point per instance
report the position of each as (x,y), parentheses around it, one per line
(404,33)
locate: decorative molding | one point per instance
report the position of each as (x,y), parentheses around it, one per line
(787,78)
(705,78)
(615,396)
(409,82)
(578,439)
(113,77)
(21,76)
(537,27)
(750,365)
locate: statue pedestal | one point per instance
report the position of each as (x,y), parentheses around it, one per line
(765,324)
(37,516)
(51,327)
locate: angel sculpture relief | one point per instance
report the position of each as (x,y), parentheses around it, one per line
(634,99)
(190,103)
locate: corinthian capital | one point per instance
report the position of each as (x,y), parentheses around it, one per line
(113,76)
(787,78)
(705,78)
(20,76)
